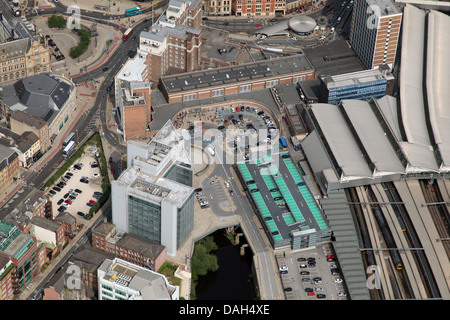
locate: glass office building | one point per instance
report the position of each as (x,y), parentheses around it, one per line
(362,85)
(154,197)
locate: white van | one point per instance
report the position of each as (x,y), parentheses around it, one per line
(210,150)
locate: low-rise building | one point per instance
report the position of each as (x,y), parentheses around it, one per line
(44,96)
(128,247)
(9,167)
(22,249)
(49,232)
(254,8)
(122,280)
(236,79)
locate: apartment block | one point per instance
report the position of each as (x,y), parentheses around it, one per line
(133,98)
(173,42)
(375,32)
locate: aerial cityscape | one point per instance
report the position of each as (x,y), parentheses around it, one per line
(259,150)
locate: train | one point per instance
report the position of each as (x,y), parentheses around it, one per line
(388,238)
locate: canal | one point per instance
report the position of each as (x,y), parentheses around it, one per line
(233,280)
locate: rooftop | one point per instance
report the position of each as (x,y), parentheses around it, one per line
(233,74)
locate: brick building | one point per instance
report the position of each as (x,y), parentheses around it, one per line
(374,35)
(9,167)
(252,8)
(22,249)
(173,42)
(7,269)
(236,79)
(128,247)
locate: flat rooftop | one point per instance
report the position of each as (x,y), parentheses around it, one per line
(333,58)
(231,75)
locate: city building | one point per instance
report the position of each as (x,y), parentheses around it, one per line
(27,145)
(69,222)
(128,247)
(22,58)
(174,40)
(217,7)
(51,233)
(47,97)
(9,167)
(236,79)
(89,259)
(122,280)
(21,122)
(7,270)
(153,198)
(297,5)
(375,32)
(22,249)
(361,85)
(255,8)
(133,98)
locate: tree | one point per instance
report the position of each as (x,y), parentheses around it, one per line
(57,21)
(202,260)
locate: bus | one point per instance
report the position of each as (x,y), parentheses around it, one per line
(71,137)
(133,11)
(69,149)
(283,142)
(127,34)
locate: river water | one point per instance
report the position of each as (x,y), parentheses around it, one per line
(233,280)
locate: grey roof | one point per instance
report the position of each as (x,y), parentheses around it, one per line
(302,23)
(43,91)
(335,57)
(236,74)
(30,120)
(15,48)
(418,146)
(339,217)
(340,140)
(141,245)
(45,223)
(438,82)
(372,136)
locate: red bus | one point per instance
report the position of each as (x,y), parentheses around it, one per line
(127,34)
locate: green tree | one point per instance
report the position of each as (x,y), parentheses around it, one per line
(203,260)
(57,21)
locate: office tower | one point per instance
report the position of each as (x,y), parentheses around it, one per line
(154,197)
(375,32)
